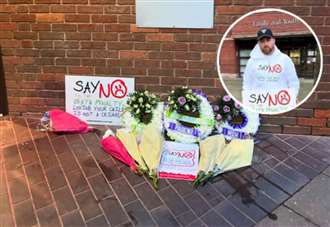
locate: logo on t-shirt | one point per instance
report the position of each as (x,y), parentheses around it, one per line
(270,68)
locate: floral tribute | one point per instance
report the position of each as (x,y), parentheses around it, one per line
(143,108)
(232,120)
(188,116)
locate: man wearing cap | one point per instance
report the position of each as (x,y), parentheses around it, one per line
(268,68)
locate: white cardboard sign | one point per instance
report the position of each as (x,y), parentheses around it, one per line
(97,100)
(179,158)
(272,101)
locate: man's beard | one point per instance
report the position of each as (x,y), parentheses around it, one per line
(267,50)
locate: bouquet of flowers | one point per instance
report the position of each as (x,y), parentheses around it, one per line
(142,108)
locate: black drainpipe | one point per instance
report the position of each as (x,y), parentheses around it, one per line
(3,91)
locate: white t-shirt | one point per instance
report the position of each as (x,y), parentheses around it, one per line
(270,72)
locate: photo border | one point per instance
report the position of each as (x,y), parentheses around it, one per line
(261,11)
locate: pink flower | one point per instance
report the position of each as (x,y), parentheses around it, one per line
(226,109)
(218,117)
(226,98)
(237,105)
(182,100)
(216,108)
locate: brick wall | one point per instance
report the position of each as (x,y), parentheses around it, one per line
(42,40)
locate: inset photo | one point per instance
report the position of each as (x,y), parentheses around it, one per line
(269,61)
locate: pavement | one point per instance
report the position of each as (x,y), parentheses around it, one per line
(49,179)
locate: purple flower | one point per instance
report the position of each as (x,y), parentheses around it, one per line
(237,105)
(216,108)
(226,109)
(226,98)
(218,117)
(229,118)
(182,100)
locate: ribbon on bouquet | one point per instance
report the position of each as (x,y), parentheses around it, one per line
(183,129)
(232,133)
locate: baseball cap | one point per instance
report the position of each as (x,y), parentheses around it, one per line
(264,32)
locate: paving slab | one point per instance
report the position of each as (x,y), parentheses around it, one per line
(313,201)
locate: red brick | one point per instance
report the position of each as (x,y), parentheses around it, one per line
(43,44)
(66,44)
(311,121)
(25,35)
(7,8)
(131,37)
(24,27)
(132,54)
(64,27)
(114,9)
(117,28)
(102,2)
(51,35)
(93,62)
(67,61)
(321,131)
(106,36)
(90,9)
(41,27)
(39,8)
(77,18)
(223,10)
(90,27)
(92,45)
(52,53)
(78,35)
(120,62)
(104,18)
(175,47)
(79,53)
(8,26)
(171,81)
(47,1)
(27,44)
(120,46)
(81,70)
(63,8)
(54,69)
(75,1)
(9,43)
(126,19)
(173,64)
(50,18)
(320,11)
(23,17)
(160,37)
(147,46)
(322,113)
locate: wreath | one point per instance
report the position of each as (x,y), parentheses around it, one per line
(142,108)
(188,117)
(232,120)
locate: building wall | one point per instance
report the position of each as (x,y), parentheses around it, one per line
(42,40)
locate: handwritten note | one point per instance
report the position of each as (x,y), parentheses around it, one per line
(98,100)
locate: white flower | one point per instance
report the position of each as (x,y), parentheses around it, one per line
(148,105)
(140,100)
(135,105)
(137,111)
